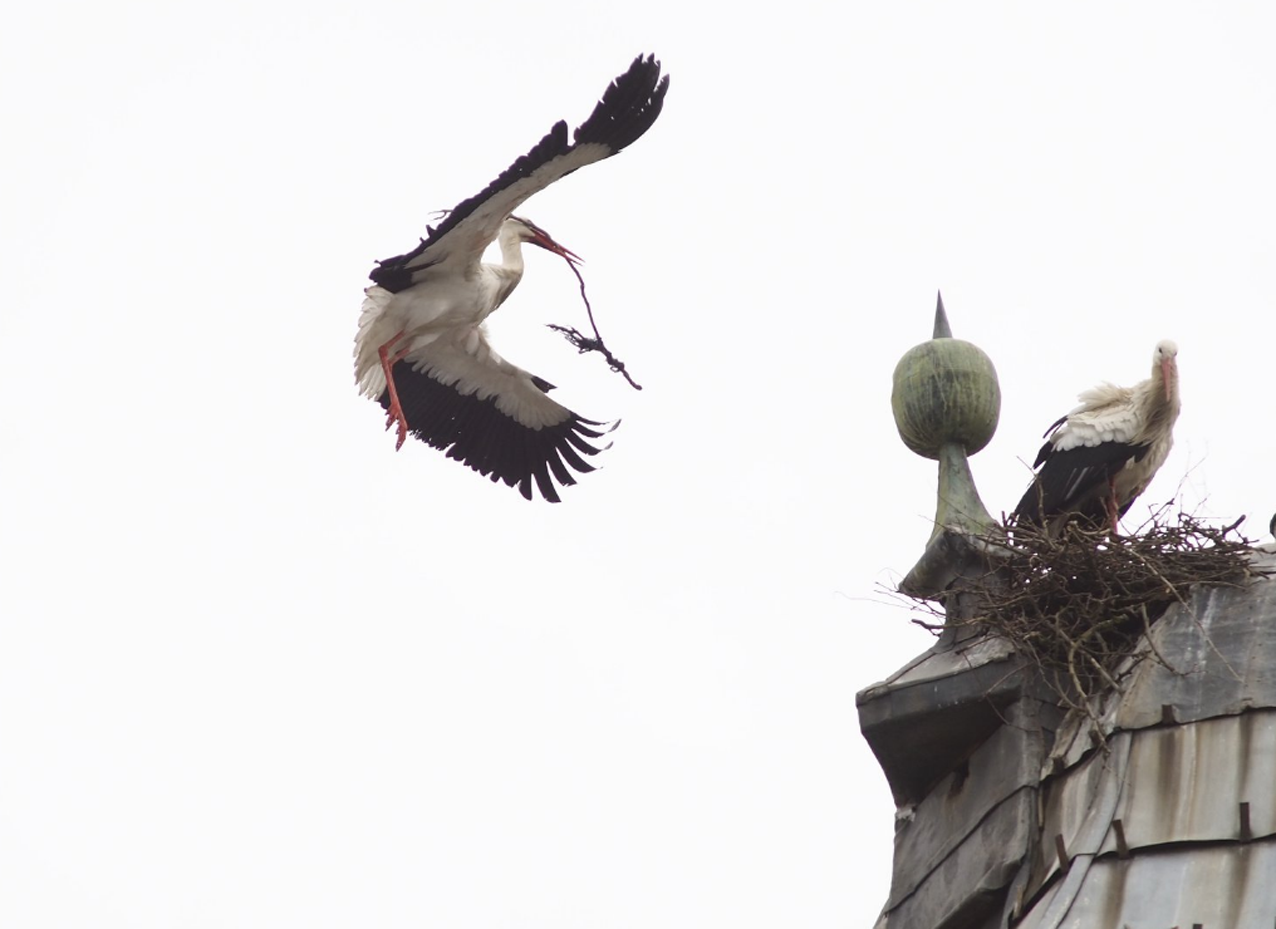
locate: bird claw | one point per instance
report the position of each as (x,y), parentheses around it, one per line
(395,415)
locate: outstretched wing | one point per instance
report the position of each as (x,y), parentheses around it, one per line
(627,109)
(460,396)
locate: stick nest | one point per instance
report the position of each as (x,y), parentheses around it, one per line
(1077,605)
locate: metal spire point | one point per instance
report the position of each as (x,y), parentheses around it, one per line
(942,329)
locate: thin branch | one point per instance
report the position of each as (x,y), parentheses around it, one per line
(585,344)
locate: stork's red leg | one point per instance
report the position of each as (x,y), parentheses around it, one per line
(1111,505)
(395,412)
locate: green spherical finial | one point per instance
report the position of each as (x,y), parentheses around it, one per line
(945,390)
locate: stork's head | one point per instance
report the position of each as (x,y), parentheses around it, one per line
(1163,361)
(528,231)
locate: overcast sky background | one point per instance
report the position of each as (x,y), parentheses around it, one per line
(256,669)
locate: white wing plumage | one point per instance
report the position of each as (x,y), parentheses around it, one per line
(1107,414)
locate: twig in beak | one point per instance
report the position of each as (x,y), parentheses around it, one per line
(583,343)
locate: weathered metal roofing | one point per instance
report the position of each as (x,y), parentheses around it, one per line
(1212,781)
(1213,887)
(1200,782)
(1163,815)
(972,826)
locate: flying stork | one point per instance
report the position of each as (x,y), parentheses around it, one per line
(422,349)
(1102,455)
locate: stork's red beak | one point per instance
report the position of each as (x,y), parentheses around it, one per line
(544,241)
(1168,372)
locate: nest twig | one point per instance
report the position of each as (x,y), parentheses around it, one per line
(585,344)
(1077,605)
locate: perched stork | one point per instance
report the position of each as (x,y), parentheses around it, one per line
(422,350)
(1103,454)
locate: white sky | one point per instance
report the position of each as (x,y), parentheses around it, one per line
(256,669)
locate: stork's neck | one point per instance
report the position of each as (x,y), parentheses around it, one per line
(511,250)
(1160,400)
(504,277)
